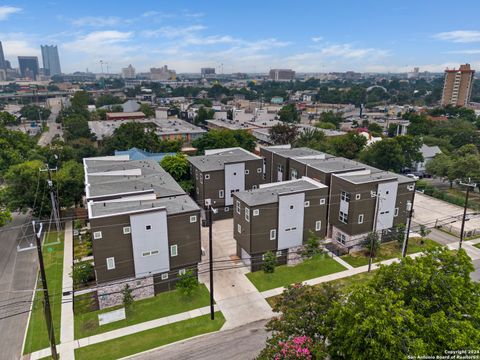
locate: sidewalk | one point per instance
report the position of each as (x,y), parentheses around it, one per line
(66,329)
(127,330)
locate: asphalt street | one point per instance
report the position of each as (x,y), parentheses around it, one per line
(17,280)
(53,129)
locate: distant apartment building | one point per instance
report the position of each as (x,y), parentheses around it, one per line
(51,60)
(28,66)
(162,74)
(457,86)
(3,65)
(145,229)
(220,173)
(207,72)
(282,74)
(279,218)
(128,72)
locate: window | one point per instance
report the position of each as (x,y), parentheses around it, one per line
(126,230)
(148,227)
(256,212)
(279,253)
(318,225)
(358,196)
(341,238)
(396,212)
(97,235)
(146,253)
(373,193)
(164,276)
(294,174)
(345,196)
(193,218)
(343,217)
(247,172)
(273,234)
(322,201)
(154,252)
(238,207)
(259,170)
(110,263)
(207,176)
(360,219)
(198,192)
(254,187)
(291,207)
(307,203)
(226,209)
(221,193)
(174,250)
(247,214)
(280,168)
(182,272)
(411,187)
(239,228)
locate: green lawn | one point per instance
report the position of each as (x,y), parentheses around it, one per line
(149,339)
(477,245)
(161,305)
(37,336)
(388,251)
(285,275)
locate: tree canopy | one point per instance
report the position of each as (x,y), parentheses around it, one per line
(218,139)
(281,134)
(289,114)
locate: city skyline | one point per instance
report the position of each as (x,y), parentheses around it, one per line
(187,36)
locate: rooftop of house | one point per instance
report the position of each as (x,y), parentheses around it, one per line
(293,152)
(138,154)
(374,176)
(333,164)
(269,193)
(430,151)
(216,159)
(107,177)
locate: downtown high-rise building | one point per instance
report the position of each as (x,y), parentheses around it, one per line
(3,64)
(282,74)
(51,61)
(457,86)
(28,66)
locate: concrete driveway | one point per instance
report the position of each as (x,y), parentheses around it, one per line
(237,298)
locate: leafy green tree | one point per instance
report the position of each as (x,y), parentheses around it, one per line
(204,114)
(99,114)
(331,117)
(83,272)
(70,182)
(372,243)
(127,296)
(349,145)
(5,217)
(76,126)
(107,99)
(314,139)
(80,100)
(312,246)
(147,110)
(289,114)
(269,262)
(176,165)
(282,133)
(375,129)
(424,231)
(8,119)
(16,147)
(187,283)
(400,230)
(34,112)
(219,139)
(325,125)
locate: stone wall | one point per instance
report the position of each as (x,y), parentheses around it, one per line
(110,294)
(294,256)
(352,242)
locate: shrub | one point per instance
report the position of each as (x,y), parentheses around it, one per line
(312,246)
(82,273)
(187,282)
(269,262)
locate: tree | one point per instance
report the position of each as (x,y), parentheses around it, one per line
(314,139)
(400,230)
(8,119)
(349,145)
(178,166)
(424,231)
(127,296)
(417,307)
(107,99)
(372,243)
(282,133)
(76,126)
(269,262)
(331,117)
(34,112)
(325,125)
(147,110)
(70,182)
(16,147)
(375,129)
(289,114)
(312,246)
(5,217)
(219,139)
(187,283)
(203,114)
(82,273)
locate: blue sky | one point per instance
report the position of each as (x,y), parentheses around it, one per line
(249,36)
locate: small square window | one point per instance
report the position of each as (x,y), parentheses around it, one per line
(318,225)
(239,228)
(221,194)
(373,193)
(226,209)
(182,272)
(173,250)
(110,263)
(358,196)
(259,170)
(164,276)
(410,187)
(207,176)
(279,253)
(234,174)
(193,218)
(148,227)
(97,235)
(291,207)
(273,234)
(254,187)
(307,203)
(256,212)
(247,172)
(360,219)
(126,230)
(322,201)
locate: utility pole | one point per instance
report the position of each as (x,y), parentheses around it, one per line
(55,208)
(409,222)
(46,299)
(462,230)
(210,259)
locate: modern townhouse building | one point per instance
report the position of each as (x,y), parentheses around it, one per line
(278,217)
(220,173)
(277,160)
(145,229)
(366,201)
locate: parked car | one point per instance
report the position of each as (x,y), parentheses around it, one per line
(412,176)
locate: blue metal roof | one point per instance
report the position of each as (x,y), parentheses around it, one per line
(137,154)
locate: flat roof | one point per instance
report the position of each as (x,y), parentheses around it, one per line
(293,152)
(124,114)
(217,160)
(333,164)
(269,193)
(173,205)
(377,176)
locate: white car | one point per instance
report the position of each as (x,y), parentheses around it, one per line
(412,176)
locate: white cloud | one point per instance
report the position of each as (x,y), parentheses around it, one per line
(18,44)
(171,32)
(317,38)
(465,52)
(6,11)
(96,21)
(459,36)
